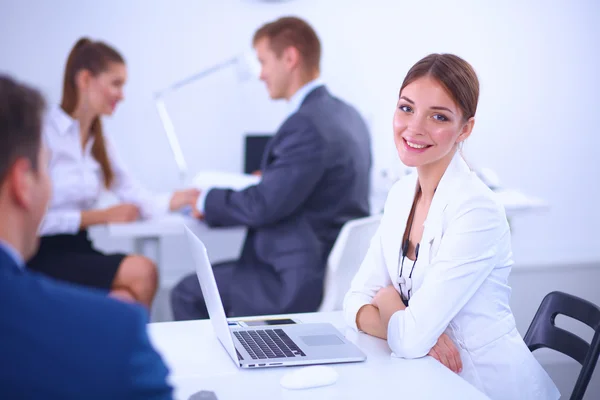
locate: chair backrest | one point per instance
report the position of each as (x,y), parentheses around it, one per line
(345,258)
(543,332)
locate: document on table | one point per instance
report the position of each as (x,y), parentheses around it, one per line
(220,179)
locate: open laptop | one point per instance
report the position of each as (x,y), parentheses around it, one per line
(269,346)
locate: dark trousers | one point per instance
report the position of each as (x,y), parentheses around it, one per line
(187,301)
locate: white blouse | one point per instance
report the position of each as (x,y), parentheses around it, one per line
(459,285)
(77,179)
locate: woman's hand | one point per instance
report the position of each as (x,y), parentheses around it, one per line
(368,320)
(388,301)
(388,294)
(121,213)
(183,198)
(445,351)
(117,214)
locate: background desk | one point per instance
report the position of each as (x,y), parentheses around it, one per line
(223,244)
(198,362)
(147,234)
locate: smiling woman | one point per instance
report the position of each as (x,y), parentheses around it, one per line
(451,301)
(90,60)
(438,96)
(83,163)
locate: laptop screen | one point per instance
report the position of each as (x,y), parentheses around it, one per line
(208,284)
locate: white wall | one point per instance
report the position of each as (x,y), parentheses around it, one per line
(538,64)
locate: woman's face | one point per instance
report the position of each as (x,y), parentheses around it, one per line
(104,91)
(428,124)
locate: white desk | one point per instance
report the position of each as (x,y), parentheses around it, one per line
(516,203)
(147,234)
(198,362)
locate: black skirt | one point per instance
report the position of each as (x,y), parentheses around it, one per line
(72,258)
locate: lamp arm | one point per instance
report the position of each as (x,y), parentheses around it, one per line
(199,75)
(167,124)
(166,121)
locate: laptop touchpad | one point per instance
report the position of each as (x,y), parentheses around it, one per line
(321,340)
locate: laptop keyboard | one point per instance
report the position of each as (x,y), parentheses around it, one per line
(268,343)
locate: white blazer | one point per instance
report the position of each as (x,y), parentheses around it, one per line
(459,285)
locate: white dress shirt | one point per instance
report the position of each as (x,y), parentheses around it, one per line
(78,181)
(459,285)
(294,104)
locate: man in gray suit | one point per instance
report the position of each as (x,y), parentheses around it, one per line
(315,177)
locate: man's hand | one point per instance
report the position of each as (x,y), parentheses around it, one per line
(183,198)
(196,213)
(445,351)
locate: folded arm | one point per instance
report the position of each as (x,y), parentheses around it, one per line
(368,320)
(467,255)
(372,276)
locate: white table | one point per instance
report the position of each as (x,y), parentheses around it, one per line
(147,234)
(516,203)
(198,362)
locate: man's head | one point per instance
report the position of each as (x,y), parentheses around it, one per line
(289,52)
(24,181)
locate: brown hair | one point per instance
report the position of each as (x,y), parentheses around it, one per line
(21,114)
(94,57)
(292,32)
(455,74)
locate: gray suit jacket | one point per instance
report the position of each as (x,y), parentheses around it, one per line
(316,176)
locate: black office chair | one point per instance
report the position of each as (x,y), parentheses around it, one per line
(544,333)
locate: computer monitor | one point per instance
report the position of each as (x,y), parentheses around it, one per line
(254,149)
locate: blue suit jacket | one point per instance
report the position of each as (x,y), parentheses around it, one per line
(62,342)
(316,177)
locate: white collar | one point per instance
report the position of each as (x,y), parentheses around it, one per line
(297,98)
(447,187)
(61,120)
(449,184)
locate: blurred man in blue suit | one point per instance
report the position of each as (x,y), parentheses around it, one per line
(315,177)
(58,341)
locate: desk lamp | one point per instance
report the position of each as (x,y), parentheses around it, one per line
(247,67)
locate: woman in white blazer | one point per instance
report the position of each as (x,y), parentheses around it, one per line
(434,280)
